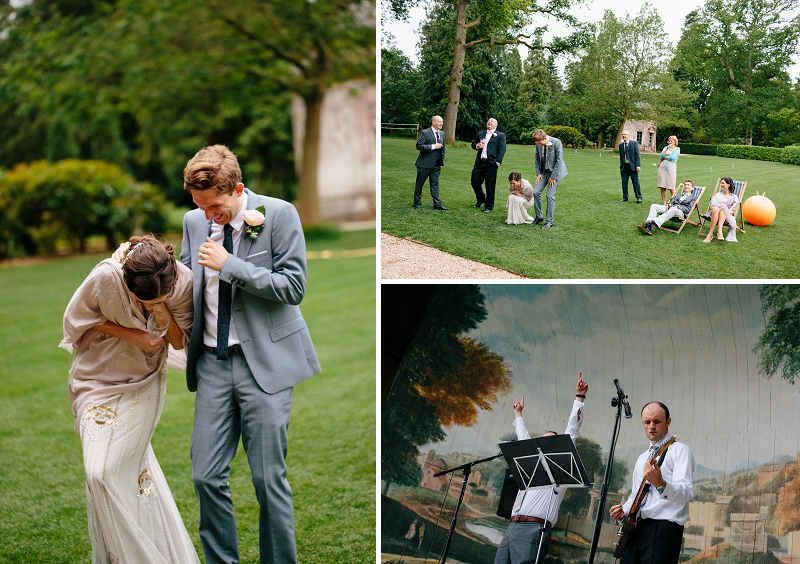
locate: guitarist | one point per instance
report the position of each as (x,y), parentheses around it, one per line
(530,515)
(665,509)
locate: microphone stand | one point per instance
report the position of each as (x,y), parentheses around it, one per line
(618,403)
(467,469)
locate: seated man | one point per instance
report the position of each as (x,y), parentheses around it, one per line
(679,206)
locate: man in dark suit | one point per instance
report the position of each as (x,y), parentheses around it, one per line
(249,347)
(630,163)
(491,147)
(430,161)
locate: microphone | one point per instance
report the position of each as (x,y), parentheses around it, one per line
(624,400)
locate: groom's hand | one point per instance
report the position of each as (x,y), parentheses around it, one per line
(212,255)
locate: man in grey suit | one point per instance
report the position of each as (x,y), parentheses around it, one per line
(550,170)
(249,346)
(680,206)
(630,163)
(430,161)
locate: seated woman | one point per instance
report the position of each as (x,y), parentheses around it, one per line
(119,324)
(520,198)
(723,208)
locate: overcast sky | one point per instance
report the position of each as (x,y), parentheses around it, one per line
(405,33)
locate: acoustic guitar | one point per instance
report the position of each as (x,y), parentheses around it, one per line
(628,523)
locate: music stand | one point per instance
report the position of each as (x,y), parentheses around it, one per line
(545,462)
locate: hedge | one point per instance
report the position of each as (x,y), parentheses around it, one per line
(698,149)
(751,152)
(569,136)
(46,204)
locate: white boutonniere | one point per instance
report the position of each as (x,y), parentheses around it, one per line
(494,134)
(549,144)
(254,221)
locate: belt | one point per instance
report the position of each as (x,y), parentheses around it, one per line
(529,519)
(484,159)
(233,349)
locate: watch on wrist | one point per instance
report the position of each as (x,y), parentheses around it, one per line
(661,488)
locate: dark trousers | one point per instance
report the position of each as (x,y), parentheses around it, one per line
(626,173)
(653,542)
(484,172)
(431,174)
(520,544)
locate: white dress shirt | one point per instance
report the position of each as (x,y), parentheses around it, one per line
(535,503)
(677,470)
(211,291)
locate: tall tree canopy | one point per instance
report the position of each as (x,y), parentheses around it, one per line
(491,22)
(623,72)
(734,54)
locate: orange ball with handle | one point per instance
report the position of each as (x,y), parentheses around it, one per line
(759,210)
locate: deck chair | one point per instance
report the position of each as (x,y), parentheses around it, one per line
(739,187)
(698,191)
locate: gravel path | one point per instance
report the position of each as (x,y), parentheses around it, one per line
(401,258)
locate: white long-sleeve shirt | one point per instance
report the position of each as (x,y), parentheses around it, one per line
(677,470)
(535,502)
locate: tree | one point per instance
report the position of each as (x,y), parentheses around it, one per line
(623,73)
(734,54)
(779,345)
(491,22)
(399,87)
(444,379)
(314,45)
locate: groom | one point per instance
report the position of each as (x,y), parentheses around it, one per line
(249,346)
(550,170)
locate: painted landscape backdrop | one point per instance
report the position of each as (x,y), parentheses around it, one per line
(479,348)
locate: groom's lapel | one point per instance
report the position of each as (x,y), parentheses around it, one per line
(245,242)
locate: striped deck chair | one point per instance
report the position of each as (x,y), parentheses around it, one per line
(698,191)
(739,187)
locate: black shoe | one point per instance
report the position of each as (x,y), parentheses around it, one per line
(485,210)
(479,204)
(638,200)
(646,230)
(624,200)
(706,216)
(537,221)
(416,206)
(547,225)
(442,208)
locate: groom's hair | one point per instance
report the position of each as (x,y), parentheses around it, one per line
(212,167)
(539,134)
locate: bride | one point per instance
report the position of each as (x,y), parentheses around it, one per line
(119,324)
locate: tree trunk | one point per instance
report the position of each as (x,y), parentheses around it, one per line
(456,73)
(307,203)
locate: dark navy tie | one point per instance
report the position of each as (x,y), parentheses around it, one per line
(224,302)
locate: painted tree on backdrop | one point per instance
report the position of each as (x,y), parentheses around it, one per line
(788,509)
(444,379)
(623,72)
(734,55)
(493,22)
(779,345)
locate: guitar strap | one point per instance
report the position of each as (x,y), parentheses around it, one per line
(647,487)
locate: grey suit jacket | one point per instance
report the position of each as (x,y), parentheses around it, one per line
(269,274)
(555,159)
(427,156)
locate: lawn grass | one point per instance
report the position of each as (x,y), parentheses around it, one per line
(594,235)
(331,438)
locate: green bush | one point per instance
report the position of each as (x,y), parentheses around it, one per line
(69,201)
(569,136)
(698,149)
(791,155)
(750,152)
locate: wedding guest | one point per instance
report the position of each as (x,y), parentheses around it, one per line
(724,205)
(550,170)
(630,163)
(520,198)
(490,145)
(430,161)
(668,168)
(119,324)
(679,206)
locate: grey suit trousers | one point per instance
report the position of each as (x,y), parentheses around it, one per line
(230,404)
(520,544)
